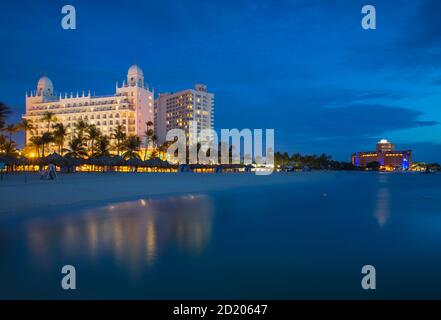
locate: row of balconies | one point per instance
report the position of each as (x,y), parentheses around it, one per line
(123,104)
(79,112)
(105,129)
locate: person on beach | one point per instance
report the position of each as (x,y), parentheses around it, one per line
(50,173)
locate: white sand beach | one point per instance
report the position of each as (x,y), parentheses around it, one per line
(19,191)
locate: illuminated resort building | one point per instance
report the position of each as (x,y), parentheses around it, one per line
(131,106)
(386,155)
(178,110)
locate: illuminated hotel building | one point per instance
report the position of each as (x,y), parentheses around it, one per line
(131,106)
(177,110)
(385,155)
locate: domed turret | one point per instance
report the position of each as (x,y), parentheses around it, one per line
(45,87)
(135,76)
(134,69)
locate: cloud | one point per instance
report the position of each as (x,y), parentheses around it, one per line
(358,120)
(324,113)
(418,43)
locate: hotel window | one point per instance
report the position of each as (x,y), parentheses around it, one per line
(111,122)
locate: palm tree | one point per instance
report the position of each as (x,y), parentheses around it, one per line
(3,141)
(148,134)
(49,117)
(155,152)
(131,147)
(120,136)
(102,146)
(60,132)
(11,129)
(324,161)
(9,148)
(46,138)
(37,143)
(76,148)
(25,125)
(80,127)
(93,133)
(4,112)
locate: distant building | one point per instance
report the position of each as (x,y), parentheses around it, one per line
(131,106)
(177,110)
(386,155)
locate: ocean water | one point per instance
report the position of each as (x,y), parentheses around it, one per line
(301,240)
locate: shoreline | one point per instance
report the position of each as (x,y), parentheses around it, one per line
(21,192)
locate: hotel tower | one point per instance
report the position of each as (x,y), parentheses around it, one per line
(385,155)
(131,106)
(178,110)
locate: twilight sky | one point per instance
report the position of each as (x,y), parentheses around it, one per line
(305,68)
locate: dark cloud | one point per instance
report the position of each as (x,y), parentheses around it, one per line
(361,120)
(326,113)
(416,40)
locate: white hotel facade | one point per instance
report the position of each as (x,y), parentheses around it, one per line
(178,110)
(132,105)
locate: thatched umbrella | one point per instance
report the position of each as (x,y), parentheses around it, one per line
(94,161)
(118,161)
(73,163)
(166,164)
(57,160)
(153,163)
(8,160)
(22,161)
(158,163)
(76,161)
(135,162)
(106,160)
(102,161)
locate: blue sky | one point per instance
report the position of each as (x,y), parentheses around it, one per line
(305,68)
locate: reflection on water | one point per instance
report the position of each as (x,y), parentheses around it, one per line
(268,242)
(382,207)
(134,233)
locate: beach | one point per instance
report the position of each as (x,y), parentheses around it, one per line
(20,191)
(221,236)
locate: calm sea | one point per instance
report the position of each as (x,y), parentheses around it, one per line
(300,240)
